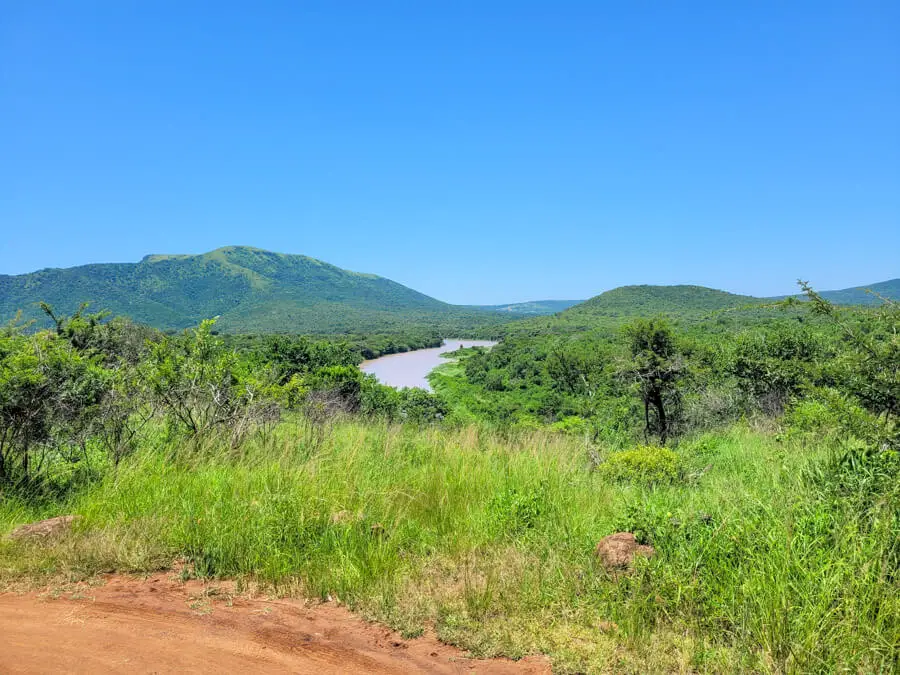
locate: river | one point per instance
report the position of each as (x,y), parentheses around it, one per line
(410,369)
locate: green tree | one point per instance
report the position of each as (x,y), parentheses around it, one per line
(774,364)
(201,385)
(49,395)
(656,367)
(868,368)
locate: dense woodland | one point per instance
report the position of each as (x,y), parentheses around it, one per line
(250,290)
(755,445)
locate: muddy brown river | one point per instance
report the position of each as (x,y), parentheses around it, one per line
(410,369)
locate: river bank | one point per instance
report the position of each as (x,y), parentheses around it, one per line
(411,369)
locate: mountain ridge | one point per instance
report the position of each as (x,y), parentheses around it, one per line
(254,290)
(291,293)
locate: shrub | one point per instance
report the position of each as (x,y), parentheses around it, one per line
(577,426)
(646,464)
(517,511)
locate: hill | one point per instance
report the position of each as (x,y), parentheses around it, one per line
(251,290)
(649,300)
(859,295)
(619,305)
(533,308)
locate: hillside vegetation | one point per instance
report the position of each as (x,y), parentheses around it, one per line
(254,291)
(865,295)
(250,290)
(760,459)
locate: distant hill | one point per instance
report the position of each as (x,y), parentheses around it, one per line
(620,305)
(251,290)
(627,301)
(533,308)
(859,296)
(681,303)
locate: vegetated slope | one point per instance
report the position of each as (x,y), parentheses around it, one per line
(251,290)
(622,304)
(859,295)
(694,302)
(533,308)
(649,300)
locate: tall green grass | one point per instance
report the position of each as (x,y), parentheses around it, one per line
(490,540)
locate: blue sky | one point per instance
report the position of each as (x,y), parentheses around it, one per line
(477,151)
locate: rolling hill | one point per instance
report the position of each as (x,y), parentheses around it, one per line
(698,301)
(859,295)
(680,303)
(250,289)
(628,301)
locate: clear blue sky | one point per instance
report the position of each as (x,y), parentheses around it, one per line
(477,151)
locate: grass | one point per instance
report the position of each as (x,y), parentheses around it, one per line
(490,539)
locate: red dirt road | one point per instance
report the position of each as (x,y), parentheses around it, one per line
(160,625)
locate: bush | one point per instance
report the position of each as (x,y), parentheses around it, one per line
(577,426)
(517,511)
(646,464)
(200,385)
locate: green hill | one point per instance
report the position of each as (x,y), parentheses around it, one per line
(251,290)
(859,296)
(620,305)
(629,301)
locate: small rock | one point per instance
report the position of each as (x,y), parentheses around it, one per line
(44,529)
(618,551)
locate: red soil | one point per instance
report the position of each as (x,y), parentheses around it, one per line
(161,625)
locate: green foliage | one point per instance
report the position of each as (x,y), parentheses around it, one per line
(758,567)
(867,370)
(250,290)
(201,386)
(775,363)
(571,425)
(291,356)
(647,464)
(656,367)
(48,392)
(516,511)
(775,551)
(621,305)
(873,294)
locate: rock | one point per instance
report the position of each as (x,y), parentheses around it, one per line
(618,551)
(44,529)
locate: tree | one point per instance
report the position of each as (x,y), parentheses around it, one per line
(200,385)
(869,367)
(80,329)
(656,368)
(49,395)
(774,364)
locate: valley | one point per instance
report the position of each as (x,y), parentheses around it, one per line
(411,369)
(320,441)
(450,337)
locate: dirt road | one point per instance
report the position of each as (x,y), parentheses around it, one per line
(161,625)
